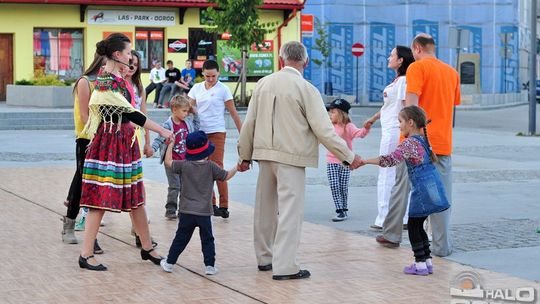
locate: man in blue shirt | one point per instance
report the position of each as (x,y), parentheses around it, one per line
(188,75)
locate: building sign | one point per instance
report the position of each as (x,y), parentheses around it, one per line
(259,63)
(382,40)
(307,24)
(177,45)
(151,18)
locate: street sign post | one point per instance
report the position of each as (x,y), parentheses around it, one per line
(357,51)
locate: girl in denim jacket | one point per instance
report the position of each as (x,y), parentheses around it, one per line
(427,192)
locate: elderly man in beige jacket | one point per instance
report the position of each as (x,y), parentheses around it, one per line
(285,122)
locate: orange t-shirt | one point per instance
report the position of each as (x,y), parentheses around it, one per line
(437,86)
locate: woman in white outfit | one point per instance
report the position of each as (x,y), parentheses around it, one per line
(394,96)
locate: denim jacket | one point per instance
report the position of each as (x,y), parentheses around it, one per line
(192,122)
(428,195)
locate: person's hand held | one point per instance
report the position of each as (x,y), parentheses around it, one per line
(148,151)
(243,166)
(357,162)
(368,123)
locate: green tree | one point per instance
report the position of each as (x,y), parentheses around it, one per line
(240,18)
(322,45)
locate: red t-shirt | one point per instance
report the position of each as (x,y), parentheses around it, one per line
(180,133)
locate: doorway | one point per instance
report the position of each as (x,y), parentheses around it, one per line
(6,63)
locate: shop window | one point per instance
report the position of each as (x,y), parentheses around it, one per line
(59,51)
(150,45)
(202,46)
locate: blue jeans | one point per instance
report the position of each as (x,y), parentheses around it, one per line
(186,226)
(167,92)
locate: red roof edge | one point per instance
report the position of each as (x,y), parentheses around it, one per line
(269,6)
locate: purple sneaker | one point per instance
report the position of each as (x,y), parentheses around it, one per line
(430,269)
(411,269)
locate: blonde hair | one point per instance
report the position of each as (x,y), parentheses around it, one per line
(343,117)
(179,101)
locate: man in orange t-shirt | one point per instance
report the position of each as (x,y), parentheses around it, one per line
(434,86)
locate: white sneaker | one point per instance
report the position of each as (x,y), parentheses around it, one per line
(166,266)
(210,270)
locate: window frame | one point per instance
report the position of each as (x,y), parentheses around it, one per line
(148,55)
(60,30)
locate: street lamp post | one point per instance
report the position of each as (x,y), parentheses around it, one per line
(532,72)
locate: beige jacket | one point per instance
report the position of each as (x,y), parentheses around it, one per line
(286,120)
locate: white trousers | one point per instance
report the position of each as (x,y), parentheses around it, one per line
(387,176)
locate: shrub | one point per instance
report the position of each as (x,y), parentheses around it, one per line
(48,80)
(24,82)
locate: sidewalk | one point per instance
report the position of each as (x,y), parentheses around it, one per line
(346,267)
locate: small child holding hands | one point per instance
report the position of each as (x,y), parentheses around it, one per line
(183,120)
(428,195)
(338,175)
(197,175)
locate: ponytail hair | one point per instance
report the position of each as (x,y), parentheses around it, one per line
(432,155)
(115,42)
(418,116)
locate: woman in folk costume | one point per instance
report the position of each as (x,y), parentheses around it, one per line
(394,94)
(112,171)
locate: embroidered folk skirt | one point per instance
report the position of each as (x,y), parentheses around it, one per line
(112,171)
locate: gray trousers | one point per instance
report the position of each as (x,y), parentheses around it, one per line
(397,206)
(440,222)
(173,189)
(441,244)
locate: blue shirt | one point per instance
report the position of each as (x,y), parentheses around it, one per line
(191,72)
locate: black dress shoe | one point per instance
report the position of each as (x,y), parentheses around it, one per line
(139,244)
(97,248)
(265,267)
(302,274)
(83,263)
(145,255)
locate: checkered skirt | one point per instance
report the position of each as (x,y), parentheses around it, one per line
(112,172)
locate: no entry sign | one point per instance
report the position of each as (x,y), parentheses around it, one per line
(358,49)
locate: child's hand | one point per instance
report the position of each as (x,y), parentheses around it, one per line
(243,166)
(368,123)
(357,162)
(148,151)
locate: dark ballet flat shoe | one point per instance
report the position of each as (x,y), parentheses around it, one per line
(145,255)
(83,263)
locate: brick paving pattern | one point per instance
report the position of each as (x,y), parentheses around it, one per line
(346,267)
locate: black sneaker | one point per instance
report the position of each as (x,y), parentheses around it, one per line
(217,211)
(224,212)
(340,216)
(97,249)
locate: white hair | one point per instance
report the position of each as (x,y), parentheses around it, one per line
(293,51)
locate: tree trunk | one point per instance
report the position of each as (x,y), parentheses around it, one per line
(243,74)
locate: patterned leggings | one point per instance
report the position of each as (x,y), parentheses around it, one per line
(338,178)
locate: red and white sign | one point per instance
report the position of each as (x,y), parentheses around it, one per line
(307,24)
(357,49)
(155,35)
(177,45)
